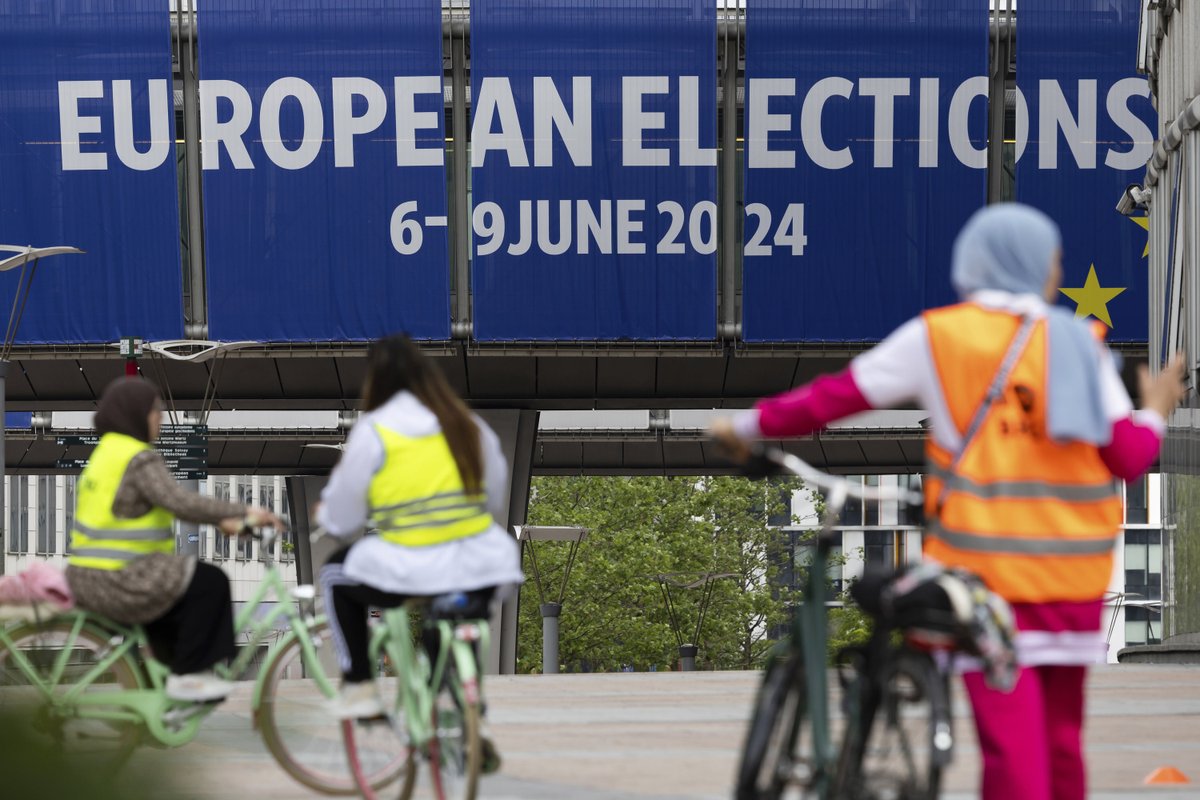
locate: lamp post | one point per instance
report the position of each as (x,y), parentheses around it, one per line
(26,259)
(551,610)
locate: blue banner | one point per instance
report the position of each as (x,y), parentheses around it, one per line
(594,169)
(866,134)
(87,159)
(324,169)
(1084,132)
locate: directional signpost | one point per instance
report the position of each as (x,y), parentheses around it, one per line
(183,447)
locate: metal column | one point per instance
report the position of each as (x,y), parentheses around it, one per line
(550,614)
(197,309)
(728,326)
(459,213)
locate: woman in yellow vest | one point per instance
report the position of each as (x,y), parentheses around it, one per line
(122,561)
(1029,424)
(429,478)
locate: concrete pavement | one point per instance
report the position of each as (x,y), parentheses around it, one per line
(672,736)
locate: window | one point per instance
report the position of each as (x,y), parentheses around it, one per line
(69,507)
(1136,510)
(287,543)
(1143,564)
(245,496)
(871,507)
(879,548)
(220,540)
(910,514)
(781,515)
(47,513)
(266,499)
(18,514)
(803,551)
(1143,625)
(852,512)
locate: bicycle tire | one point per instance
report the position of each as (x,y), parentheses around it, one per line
(305,739)
(380,737)
(769,754)
(100,745)
(455,754)
(897,757)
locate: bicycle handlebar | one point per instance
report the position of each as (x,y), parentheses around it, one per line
(836,485)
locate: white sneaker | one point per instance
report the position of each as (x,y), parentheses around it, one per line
(198,687)
(356,701)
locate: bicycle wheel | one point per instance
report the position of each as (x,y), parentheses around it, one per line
(455,754)
(370,743)
(909,739)
(301,733)
(772,759)
(37,703)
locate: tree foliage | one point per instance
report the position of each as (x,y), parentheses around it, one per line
(614,613)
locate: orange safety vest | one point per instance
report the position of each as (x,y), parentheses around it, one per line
(1035,519)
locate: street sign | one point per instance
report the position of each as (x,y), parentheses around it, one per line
(184,448)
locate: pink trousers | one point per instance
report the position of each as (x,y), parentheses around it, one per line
(1031,738)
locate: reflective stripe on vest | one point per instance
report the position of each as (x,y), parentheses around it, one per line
(1036,519)
(417,497)
(1028,490)
(99,539)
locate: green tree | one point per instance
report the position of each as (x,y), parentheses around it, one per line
(614,613)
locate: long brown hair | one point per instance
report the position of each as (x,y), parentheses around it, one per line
(395,364)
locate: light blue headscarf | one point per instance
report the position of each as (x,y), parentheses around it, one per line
(1009,247)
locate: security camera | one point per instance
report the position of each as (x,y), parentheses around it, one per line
(1134,198)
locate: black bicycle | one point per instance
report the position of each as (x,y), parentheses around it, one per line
(896,736)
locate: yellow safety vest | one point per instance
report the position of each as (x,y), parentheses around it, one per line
(417,497)
(100,540)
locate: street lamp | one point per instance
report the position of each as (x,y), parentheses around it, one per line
(26,259)
(527,535)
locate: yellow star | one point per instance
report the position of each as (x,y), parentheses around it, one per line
(1092,298)
(1144,224)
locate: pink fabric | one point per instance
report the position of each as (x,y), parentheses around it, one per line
(1031,738)
(38,583)
(811,407)
(1132,450)
(1060,616)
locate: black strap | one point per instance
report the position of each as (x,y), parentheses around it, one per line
(994,393)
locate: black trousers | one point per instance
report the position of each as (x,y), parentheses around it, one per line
(351,603)
(197,632)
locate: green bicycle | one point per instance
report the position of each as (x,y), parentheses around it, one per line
(897,735)
(434,697)
(91,688)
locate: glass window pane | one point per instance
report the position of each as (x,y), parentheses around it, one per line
(1136,511)
(1135,556)
(852,512)
(45,515)
(1135,632)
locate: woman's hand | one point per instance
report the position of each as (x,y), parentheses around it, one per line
(1164,391)
(721,430)
(255,518)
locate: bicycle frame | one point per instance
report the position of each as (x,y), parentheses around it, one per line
(810,623)
(811,627)
(171,723)
(418,680)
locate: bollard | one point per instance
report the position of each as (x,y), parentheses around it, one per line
(550,614)
(687,657)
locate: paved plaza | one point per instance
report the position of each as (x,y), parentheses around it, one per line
(672,736)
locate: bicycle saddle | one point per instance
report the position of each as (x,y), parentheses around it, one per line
(459,606)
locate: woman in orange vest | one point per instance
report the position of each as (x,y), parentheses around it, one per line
(1030,423)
